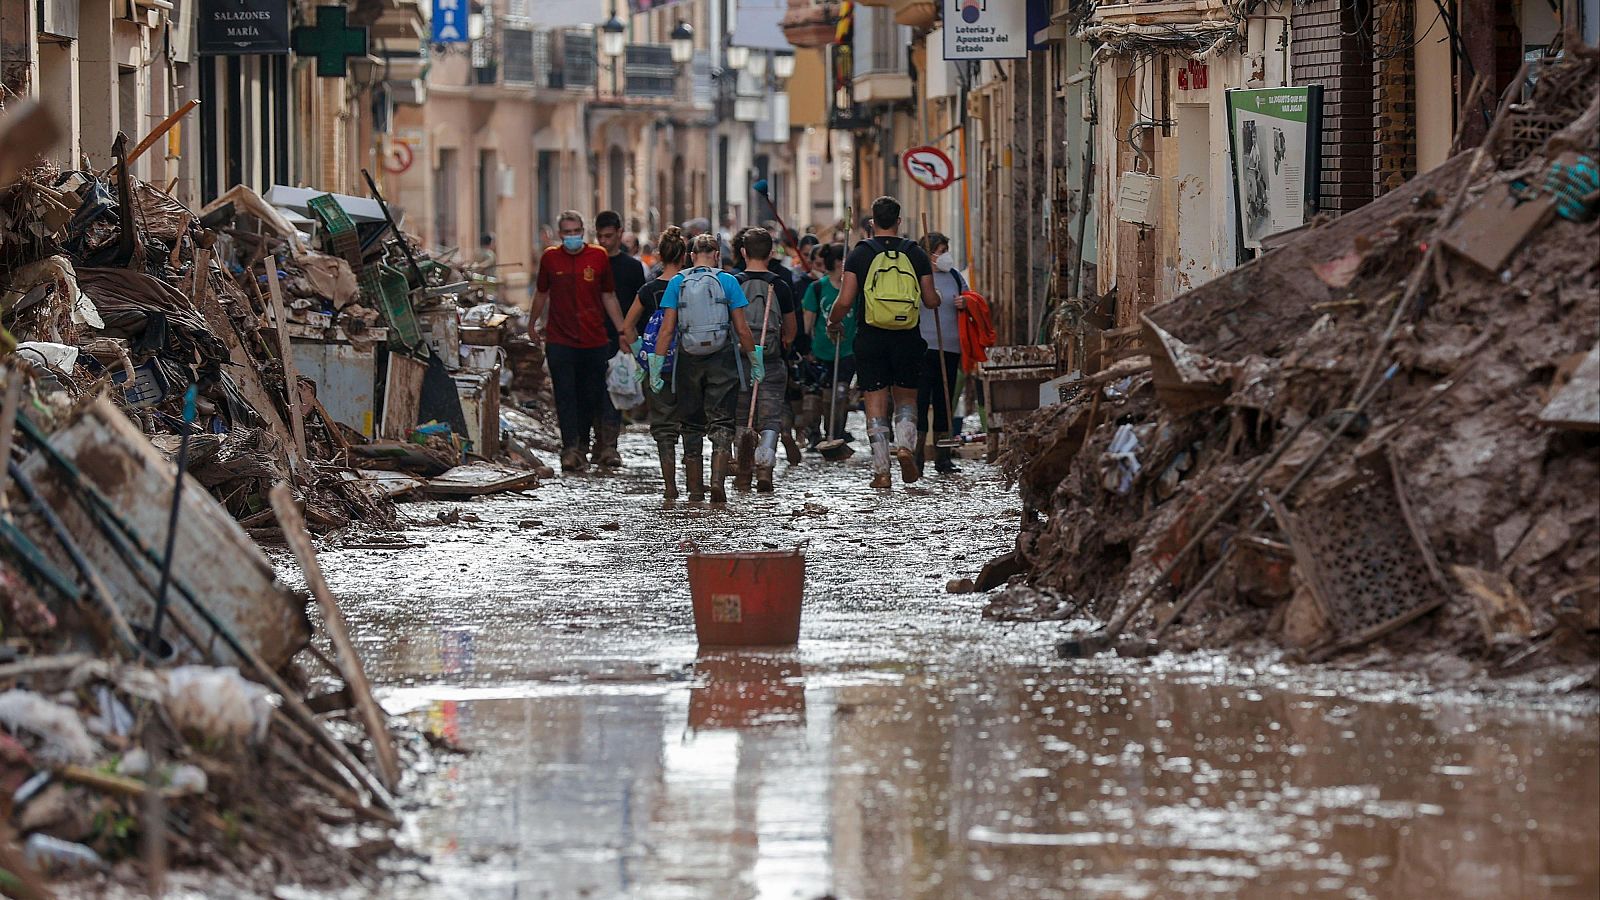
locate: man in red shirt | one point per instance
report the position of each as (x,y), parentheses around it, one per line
(576,289)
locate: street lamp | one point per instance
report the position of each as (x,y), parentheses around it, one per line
(783,65)
(757,66)
(682,43)
(737,57)
(613,35)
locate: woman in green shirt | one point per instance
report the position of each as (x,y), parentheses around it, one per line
(817,304)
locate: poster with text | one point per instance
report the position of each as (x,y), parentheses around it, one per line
(985,29)
(1276,139)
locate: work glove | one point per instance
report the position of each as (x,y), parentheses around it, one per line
(637,346)
(656,383)
(758,366)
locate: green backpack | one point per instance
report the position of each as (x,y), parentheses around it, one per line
(893,291)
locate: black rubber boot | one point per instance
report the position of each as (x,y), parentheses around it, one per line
(669,470)
(694,477)
(720,460)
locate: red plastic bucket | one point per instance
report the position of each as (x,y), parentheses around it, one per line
(747,599)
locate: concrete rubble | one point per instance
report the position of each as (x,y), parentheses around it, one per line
(1382,430)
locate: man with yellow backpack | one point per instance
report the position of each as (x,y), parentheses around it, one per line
(894,278)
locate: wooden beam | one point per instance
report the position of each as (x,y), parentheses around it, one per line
(294,532)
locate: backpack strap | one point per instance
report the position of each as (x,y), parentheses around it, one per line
(961,283)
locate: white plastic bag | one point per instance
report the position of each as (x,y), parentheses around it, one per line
(623,381)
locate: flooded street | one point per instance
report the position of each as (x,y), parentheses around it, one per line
(905,749)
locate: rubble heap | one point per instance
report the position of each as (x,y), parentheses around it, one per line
(1384,428)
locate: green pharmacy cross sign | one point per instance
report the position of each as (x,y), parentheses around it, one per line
(332,41)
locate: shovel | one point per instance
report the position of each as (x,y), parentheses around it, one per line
(747,441)
(835,449)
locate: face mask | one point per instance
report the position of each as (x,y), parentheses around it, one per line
(573,242)
(944,262)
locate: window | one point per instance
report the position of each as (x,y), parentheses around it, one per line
(548,171)
(617,175)
(445,199)
(488,193)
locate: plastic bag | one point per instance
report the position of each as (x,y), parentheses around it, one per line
(623,381)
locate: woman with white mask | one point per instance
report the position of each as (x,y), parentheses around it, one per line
(942,363)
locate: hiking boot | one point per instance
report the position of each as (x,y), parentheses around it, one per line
(719,476)
(572,461)
(882,481)
(764,479)
(909,470)
(669,475)
(791,448)
(694,478)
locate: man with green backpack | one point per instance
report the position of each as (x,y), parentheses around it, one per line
(893,276)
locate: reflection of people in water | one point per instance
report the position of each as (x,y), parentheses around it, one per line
(1257,213)
(1280,149)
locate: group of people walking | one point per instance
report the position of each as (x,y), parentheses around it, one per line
(747,355)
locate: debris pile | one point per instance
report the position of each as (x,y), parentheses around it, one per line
(1388,427)
(162,699)
(398,358)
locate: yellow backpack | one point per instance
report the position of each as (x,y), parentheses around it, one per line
(893,291)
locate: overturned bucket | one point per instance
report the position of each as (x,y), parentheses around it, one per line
(747,599)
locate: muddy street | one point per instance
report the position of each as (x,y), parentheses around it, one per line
(905,748)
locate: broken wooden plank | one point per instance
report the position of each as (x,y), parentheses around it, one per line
(291,376)
(480,480)
(294,531)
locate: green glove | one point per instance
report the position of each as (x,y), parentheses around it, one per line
(656,383)
(637,346)
(758,366)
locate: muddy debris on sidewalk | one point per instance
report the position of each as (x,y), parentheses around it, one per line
(166,705)
(1385,429)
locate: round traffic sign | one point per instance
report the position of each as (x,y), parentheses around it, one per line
(929,167)
(398,158)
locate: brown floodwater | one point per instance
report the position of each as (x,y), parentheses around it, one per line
(905,748)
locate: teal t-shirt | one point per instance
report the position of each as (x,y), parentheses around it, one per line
(819,299)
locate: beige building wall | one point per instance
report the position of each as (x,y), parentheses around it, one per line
(1435,87)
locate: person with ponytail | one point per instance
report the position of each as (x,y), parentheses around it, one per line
(673,249)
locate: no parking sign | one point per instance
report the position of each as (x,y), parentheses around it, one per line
(929,167)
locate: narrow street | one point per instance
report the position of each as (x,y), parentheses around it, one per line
(905,748)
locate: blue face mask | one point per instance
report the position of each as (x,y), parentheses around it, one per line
(573,242)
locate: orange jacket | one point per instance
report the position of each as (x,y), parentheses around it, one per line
(977,331)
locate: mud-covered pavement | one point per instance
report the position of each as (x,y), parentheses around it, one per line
(906,749)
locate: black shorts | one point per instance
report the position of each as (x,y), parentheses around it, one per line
(887,359)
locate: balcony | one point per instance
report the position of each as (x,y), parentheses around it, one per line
(648,71)
(561,60)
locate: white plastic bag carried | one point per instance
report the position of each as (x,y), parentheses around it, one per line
(623,381)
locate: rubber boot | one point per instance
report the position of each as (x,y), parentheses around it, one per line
(922,451)
(720,459)
(791,447)
(694,477)
(669,470)
(944,459)
(878,442)
(741,472)
(605,453)
(766,460)
(905,439)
